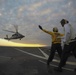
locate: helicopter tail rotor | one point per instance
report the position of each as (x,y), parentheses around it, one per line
(7,38)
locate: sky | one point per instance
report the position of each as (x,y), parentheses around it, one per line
(28,14)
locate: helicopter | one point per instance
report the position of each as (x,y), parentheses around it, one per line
(15,35)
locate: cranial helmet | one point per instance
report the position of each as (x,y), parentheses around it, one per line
(64,21)
(55,29)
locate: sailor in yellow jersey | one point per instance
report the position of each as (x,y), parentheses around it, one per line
(56,43)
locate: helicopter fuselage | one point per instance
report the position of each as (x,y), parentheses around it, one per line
(15,36)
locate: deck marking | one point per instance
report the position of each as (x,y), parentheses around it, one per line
(30,54)
(43,57)
(57,66)
(68,62)
(46,56)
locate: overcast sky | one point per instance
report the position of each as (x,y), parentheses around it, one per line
(28,14)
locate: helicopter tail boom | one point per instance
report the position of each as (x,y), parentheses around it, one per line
(7,37)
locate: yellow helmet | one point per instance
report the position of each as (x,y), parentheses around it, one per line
(55,29)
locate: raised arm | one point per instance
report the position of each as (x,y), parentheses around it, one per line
(49,32)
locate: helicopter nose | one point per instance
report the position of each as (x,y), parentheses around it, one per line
(23,36)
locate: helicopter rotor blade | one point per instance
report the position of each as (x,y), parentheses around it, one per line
(9,31)
(16,27)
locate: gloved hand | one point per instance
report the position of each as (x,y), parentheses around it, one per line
(40,27)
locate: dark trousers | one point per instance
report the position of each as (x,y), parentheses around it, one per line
(66,51)
(54,47)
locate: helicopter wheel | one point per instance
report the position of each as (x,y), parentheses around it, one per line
(20,39)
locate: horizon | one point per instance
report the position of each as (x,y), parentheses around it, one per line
(7,43)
